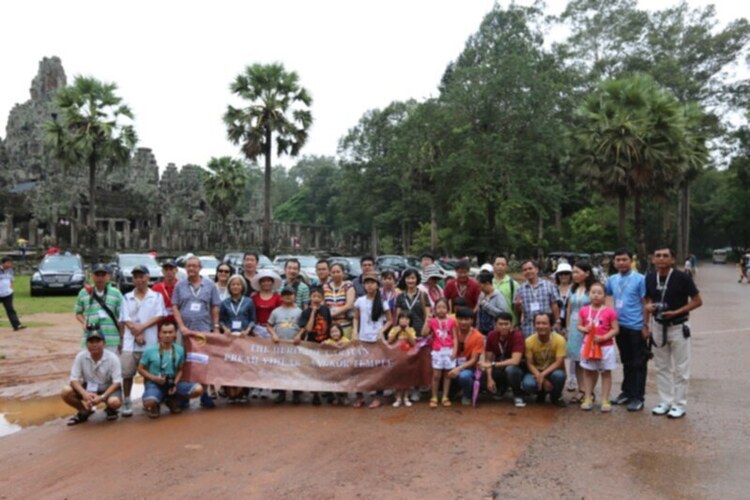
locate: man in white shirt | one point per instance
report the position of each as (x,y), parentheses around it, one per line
(6,292)
(141,313)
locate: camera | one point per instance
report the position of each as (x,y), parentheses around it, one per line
(168,382)
(659,309)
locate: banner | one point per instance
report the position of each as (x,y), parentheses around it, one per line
(256,362)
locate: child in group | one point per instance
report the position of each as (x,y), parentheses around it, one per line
(406,337)
(444,335)
(388,289)
(336,339)
(372,318)
(491,303)
(314,324)
(600,321)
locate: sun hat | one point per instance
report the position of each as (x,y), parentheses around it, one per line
(433,271)
(563,267)
(487,267)
(266,273)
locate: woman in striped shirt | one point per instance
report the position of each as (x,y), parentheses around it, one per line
(339,297)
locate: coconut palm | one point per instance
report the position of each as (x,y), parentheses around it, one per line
(224,186)
(89,133)
(277,106)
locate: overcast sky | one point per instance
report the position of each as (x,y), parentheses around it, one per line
(173,61)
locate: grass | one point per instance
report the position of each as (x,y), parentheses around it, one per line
(26,305)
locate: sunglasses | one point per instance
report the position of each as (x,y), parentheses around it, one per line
(224,271)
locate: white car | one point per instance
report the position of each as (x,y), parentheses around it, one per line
(209,263)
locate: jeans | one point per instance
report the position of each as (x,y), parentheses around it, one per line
(505,376)
(158,393)
(634,357)
(557,378)
(466,382)
(10,311)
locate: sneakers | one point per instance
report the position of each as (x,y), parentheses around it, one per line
(19,327)
(127,408)
(296,398)
(111,414)
(280,397)
(661,409)
(207,402)
(465,401)
(397,403)
(587,405)
(560,403)
(622,399)
(415,395)
(174,405)
(676,412)
(635,405)
(316,399)
(519,403)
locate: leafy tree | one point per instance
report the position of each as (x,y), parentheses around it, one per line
(277,105)
(224,186)
(89,132)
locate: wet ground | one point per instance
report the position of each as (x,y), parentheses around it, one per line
(493,451)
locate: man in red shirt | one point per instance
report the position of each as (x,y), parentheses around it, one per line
(166,286)
(462,286)
(503,353)
(470,348)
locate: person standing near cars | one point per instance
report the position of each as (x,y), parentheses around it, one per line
(6,292)
(670,296)
(293,279)
(100,305)
(166,288)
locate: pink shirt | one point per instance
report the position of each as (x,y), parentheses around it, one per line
(442,332)
(601,318)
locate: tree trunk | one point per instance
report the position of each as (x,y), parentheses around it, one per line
(621,207)
(92,240)
(686,231)
(640,234)
(404,236)
(540,237)
(374,243)
(267,196)
(433,228)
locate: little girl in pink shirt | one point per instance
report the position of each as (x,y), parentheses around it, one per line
(443,331)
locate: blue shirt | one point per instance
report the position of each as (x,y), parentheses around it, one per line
(160,363)
(242,311)
(628,292)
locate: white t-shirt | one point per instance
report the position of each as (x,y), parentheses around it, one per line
(6,282)
(141,311)
(368,329)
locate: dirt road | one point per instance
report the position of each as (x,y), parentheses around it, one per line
(494,451)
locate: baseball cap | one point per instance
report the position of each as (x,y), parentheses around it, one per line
(140,269)
(100,267)
(371,277)
(94,332)
(169,263)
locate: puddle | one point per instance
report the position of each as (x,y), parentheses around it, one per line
(17,414)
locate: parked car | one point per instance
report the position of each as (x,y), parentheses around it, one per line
(395,263)
(234,259)
(352,268)
(59,273)
(122,268)
(209,263)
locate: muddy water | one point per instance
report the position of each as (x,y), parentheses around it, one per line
(17,414)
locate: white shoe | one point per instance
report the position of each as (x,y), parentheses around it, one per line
(661,409)
(407,403)
(676,412)
(127,408)
(266,394)
(519,403)
(397,403)
(415,395)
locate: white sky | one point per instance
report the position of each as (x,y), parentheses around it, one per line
(173,61)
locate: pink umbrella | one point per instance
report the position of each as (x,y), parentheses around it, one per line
(477,385)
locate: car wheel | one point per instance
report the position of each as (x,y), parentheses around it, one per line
(35,293)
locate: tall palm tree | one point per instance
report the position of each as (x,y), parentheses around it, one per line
(277,105)
(224,185)
(89,133)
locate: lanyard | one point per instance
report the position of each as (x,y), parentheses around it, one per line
(501,347)
(461,289)
(174,362)
(236,311)
(196,293)
(663,288)
(410,305)
(623,283)
(595,320)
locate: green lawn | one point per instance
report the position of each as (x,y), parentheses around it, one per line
(26,304)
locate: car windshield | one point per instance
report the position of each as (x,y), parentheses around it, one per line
(354,264)
(60,264)
(138,260)
(307,260)
(209,262)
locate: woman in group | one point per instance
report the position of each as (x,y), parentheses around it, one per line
(583,278)
(237,317)
(339,297)
(223,272)
(415,303)
(431,286)
(563,279)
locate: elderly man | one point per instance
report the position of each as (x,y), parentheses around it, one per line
(141,313)
(6,293)
(100,304)
(95,378)
(195,305)
(670,296)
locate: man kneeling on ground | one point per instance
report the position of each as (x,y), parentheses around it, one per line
(545,360)
(161,368)
(95,378)
(503,353)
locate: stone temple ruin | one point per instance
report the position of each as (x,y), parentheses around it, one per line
(138,207)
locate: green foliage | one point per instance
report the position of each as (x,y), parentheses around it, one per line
(224,184)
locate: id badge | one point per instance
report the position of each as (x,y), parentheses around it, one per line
(460,360)
(236,326)
(534,307)
(195,306)
(92,387)
(619,304)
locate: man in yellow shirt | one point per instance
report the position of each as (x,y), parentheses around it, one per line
(545,358)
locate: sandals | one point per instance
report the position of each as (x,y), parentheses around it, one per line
(79,418)
(606,406)
(154,413)
(358,403)
(587,405)
(375,404)
(433,402)
(578,398)
(447,402)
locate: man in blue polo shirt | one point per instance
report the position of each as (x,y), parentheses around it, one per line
(627,289)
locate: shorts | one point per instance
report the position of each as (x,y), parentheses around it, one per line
(129,361)
(607,363)
(442,360)
(158,393)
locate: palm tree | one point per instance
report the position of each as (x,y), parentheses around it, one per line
(224,186)
(88,133)
(277,105)
(634,139)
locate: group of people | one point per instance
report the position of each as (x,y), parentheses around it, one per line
(490,332)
